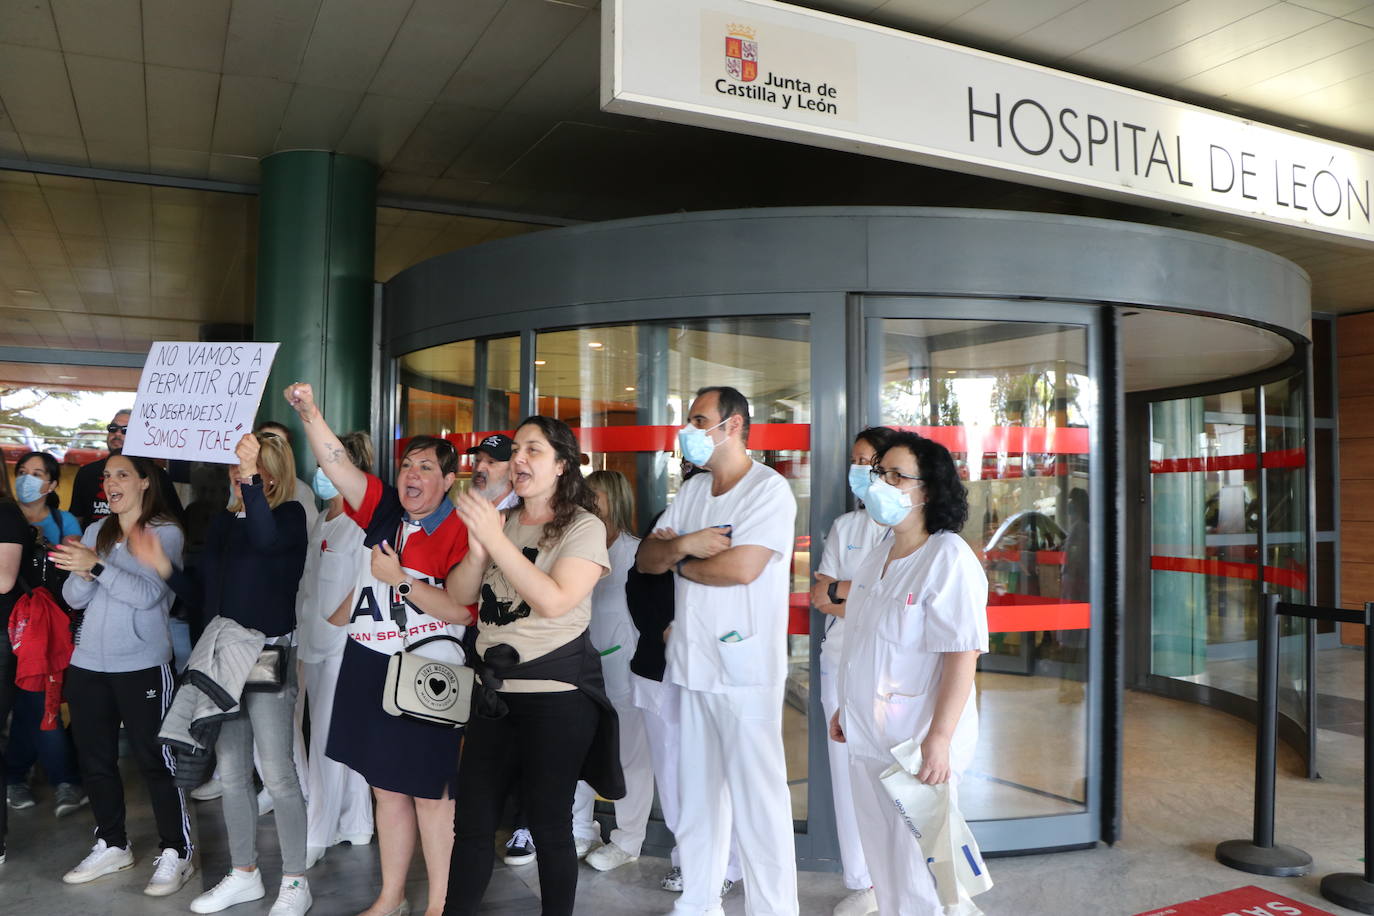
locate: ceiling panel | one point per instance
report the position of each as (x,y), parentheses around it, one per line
(434,39)
(316,117)
(267,38)
(37,93)
(520,38)
(108,28)
(348,42)
(29,24)
(186,35)
(181,107)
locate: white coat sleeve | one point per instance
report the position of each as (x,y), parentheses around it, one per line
(956,601)
(830,555)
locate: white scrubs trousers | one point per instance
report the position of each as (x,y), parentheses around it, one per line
(732,774)
(658,702)
(339,802)
(856,876)
(901,878)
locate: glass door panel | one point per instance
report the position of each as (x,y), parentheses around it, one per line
(1015,403)
(625,391)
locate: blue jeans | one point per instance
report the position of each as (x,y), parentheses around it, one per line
(30,743)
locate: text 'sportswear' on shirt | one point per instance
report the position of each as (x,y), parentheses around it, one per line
(430,548)
(734,635)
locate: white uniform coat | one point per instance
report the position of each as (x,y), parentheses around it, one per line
(897,628)
(850,538)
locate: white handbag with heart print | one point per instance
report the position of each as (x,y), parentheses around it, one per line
(427,689)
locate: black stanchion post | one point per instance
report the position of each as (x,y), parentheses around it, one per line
(1260,855)
(1350,890)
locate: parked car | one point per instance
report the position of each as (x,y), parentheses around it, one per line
(16,441)
(86,446)
(1025,548)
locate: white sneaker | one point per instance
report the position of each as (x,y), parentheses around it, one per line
(170,874)
(265,803)
(103,860)
(293,899)
(208,791)
(609,856)
(859,903)
(235,887)
(672,881)
(586,846)
(519,848)
(356,839)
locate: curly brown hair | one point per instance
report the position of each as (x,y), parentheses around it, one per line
(571,492)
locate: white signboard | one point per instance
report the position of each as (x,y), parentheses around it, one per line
(773,70)
(196,400)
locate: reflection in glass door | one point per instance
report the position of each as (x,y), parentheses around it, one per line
(1017,405)
(1228,522)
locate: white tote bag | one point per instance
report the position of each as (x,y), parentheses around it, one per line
(932,814)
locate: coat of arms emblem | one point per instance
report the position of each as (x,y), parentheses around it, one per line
(741,53)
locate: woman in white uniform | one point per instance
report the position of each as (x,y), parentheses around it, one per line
(848,542)
(614,635)
(916,622)
(338,801)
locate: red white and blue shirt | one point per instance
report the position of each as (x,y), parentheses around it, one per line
(429,547)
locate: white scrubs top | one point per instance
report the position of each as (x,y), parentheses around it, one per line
(752,617)
(850,537)
(611,630)
(333,555)
(897,627)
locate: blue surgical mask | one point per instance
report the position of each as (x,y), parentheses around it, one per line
(28,488)
(324,487)
(886,504)
(696,446)
(859,480)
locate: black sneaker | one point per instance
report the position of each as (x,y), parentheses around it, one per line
(519,848)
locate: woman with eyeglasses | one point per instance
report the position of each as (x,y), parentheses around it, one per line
(36,475)
(848,542)
(915,624)
(249,570)
(405,593)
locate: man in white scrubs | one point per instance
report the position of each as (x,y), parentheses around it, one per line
(729,536)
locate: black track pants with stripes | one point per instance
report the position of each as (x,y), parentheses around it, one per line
(98,703)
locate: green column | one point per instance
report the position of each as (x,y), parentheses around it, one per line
(317,223)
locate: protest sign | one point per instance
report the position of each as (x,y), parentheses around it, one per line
(1243,901)
(196,400)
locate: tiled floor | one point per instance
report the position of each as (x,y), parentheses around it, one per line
(1188,785)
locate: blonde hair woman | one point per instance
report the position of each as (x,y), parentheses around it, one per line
(614,635)
(250,567)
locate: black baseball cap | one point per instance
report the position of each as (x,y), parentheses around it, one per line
(496,445)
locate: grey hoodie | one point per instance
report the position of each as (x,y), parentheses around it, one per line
(125,626)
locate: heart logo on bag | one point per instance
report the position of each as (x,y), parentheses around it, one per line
(436,686)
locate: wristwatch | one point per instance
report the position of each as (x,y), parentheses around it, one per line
(834,595)
(404,588)
(96,570)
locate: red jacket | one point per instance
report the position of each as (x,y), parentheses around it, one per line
(41,635)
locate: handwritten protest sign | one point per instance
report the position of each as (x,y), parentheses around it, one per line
(196,400)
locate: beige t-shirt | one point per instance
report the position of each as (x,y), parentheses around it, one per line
(504,617)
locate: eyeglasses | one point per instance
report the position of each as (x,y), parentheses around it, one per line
(116,428)
(893,477)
